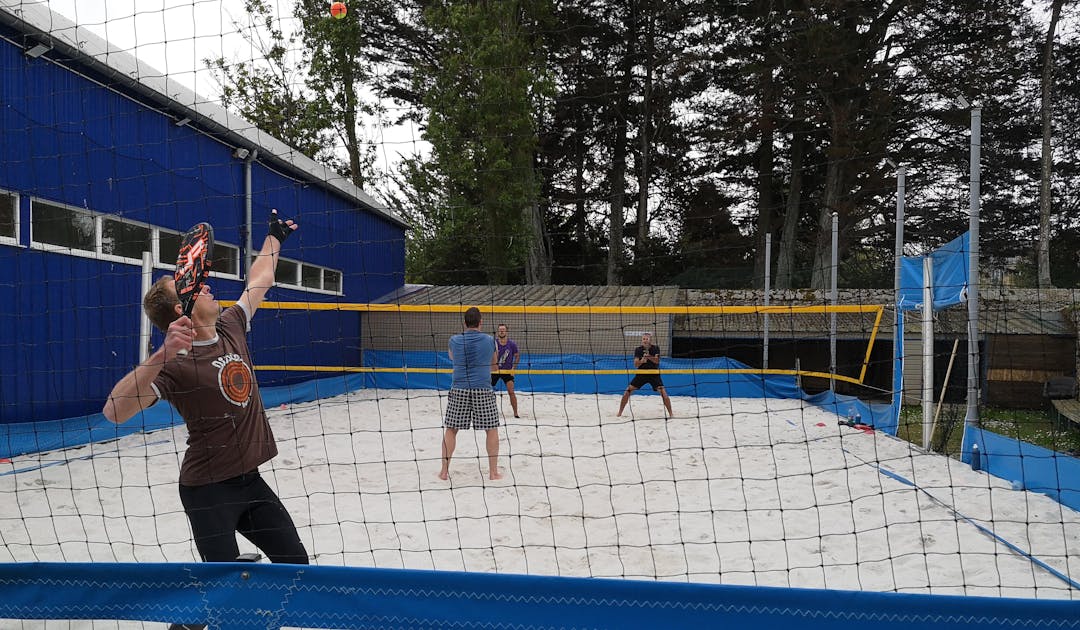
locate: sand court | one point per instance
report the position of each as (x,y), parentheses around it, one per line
(735,491)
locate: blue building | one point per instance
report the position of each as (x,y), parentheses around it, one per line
(104,161)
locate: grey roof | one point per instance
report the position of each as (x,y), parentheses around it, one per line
(546,295)
(1016,315)
(82,46)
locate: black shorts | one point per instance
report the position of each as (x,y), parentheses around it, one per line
(647,379)
(506,378)
(243,504)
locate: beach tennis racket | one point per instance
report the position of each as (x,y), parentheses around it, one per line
(193,265)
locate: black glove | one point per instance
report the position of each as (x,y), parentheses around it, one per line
(278,228)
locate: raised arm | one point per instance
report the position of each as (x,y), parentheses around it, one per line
(261,276)
(133,393)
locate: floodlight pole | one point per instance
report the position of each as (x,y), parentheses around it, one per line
(972,417)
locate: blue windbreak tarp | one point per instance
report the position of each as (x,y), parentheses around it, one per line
(1026,466)
(233,596)
(20,438)
(741,381)
(950,276)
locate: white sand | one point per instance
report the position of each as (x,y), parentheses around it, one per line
(734,491)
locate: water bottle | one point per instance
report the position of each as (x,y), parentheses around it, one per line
(976,457)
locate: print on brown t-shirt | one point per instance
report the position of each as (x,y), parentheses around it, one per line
(214,390)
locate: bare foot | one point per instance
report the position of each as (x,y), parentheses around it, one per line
(444,475)
(495,474)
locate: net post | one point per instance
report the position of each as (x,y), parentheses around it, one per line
(144,321)
(833,299)
(972,416)
(928,350)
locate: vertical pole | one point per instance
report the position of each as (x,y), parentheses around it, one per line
(144,321)
(768,278)
(833,298)
(901,175)
(898,360)
(972,417)
(928,350)
(249,256)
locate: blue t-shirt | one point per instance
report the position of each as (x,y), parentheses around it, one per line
(472,351)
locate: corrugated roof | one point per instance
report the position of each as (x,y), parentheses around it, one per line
(545,295)
(996,317)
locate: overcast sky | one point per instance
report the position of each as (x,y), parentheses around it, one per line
(175,36)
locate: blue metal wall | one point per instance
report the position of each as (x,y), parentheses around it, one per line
(69,324)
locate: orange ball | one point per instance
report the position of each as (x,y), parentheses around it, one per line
(338,10)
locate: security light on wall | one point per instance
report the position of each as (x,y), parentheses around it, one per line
(241,153)
(183,121)
(38,50)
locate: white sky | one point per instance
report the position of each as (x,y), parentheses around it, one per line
(175,36)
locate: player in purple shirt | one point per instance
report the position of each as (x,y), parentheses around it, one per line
(508,356)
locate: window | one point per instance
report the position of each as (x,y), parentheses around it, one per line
(287,272)
(311,277)
(332,280)
(168,247)
(59,226)
(226,257)
(9,217)
(127,240)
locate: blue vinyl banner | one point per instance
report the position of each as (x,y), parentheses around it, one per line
(950,276)
(234,596)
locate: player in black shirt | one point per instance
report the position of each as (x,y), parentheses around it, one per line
(646,357)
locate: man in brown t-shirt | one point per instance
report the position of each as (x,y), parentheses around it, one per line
(213,387)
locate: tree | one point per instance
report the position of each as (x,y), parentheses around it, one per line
(480,99)
(271,92)
(1046,110)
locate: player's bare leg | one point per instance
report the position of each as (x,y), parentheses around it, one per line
(493,454)
(448,445)
(667,401)
(513,397)
(625,399)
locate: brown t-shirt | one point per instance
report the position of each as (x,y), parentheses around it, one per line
(214,389)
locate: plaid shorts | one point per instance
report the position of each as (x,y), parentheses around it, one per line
(471,408)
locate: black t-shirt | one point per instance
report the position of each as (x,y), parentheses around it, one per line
(654,351)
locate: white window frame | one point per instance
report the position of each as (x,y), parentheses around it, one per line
(12,240)
(297,282)
(155,249)
(80,253)
(158,264)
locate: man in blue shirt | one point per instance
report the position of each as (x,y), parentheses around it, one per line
(471,403)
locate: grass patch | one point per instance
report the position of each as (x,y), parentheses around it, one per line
(1031,426)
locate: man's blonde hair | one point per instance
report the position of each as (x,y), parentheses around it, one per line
(160,302)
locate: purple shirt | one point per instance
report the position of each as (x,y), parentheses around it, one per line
(507,354)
